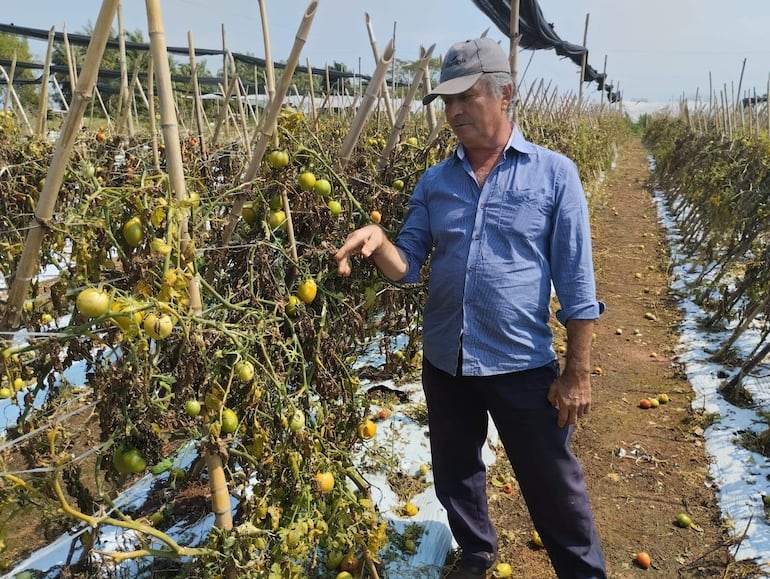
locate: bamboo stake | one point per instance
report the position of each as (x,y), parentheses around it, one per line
(73,77)
(220,497)
(196,93)
(141,91)
(269,121)
(223,112)
(740,84)
(9,77)
(403,112)
(313,112)
(584,60)
(514,56)
(269,69)
(57,86)
(239,95)
(602,86)
(430,114)
(123,72)
(436,129)
(104,108)
(225,73)
(170,130)
(242,125)
(151,112)
(328,89)
(45,206)
(43,113)
(16,101)
(366,104)
(247,104)
(125,119)
(256,94)
(385,91)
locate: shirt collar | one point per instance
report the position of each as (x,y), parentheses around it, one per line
(516,141)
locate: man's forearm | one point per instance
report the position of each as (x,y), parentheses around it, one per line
(390,261)
(579,340)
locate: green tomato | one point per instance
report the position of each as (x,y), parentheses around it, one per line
(244,370)
(192,407)
(297,421)
(229,421)
(128,461)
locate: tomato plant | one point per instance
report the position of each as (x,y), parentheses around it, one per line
(232,318)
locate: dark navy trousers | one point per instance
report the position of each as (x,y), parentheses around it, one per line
(548,473)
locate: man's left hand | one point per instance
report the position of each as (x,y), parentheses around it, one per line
(571,395)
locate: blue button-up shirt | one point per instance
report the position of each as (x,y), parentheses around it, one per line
(495,253)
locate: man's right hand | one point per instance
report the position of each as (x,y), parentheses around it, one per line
(365,242)
(371,242)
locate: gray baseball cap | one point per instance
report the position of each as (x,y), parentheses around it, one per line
(464,64)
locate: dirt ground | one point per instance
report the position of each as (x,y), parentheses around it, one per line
(642,467)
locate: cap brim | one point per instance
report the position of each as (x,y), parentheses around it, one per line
(452,86)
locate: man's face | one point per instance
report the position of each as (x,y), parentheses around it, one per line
(476,115)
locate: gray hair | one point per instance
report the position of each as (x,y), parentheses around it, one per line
(497,81)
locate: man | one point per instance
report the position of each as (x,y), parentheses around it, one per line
(502,220)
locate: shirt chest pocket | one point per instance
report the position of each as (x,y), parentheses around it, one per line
(524,212)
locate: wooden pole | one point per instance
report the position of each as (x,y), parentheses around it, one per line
(43,112)
(584,61)
(28,262)
(514,56)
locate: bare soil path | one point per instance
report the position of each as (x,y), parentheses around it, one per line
(642,467)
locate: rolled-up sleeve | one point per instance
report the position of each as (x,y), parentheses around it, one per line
(571,254)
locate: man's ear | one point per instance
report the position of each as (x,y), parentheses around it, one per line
(507,93)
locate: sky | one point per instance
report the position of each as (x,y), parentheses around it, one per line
(656,50)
